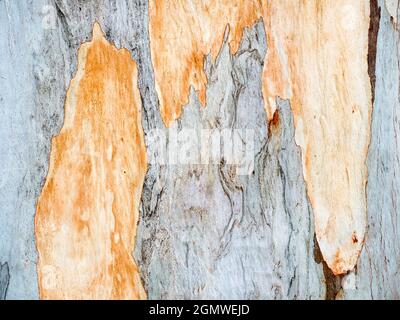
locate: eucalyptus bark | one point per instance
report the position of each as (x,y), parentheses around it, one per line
(204,231)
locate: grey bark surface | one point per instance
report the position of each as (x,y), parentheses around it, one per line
(377,275)
(204,231)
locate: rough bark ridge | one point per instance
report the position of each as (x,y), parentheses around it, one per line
(204,232)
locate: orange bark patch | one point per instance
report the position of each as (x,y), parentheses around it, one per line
(317,58)
(88,210)
(182,33)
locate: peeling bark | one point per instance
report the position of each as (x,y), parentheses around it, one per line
(182,33)
(297,73)
(214,234)
(88,209)
(318,59)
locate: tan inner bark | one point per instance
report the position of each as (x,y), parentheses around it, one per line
(88,210)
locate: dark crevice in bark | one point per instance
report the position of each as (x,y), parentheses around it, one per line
(375,17)
(333,283)
(4,280)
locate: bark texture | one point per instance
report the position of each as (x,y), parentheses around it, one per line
(87,212)
(377,274)
(4,280)
(207,231)
(214,234)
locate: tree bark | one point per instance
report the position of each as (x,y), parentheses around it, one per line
(204,231)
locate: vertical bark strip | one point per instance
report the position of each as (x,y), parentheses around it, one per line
(377,275)
(318,60)
(88,210)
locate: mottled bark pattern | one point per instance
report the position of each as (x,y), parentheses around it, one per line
(214,234)
(204,231)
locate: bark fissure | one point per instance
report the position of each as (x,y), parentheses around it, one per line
(333,283)
(4,280)
(375,17)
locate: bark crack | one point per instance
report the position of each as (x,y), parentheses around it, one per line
(4,280)
(375,17)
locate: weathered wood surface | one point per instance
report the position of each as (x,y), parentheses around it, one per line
(204,231)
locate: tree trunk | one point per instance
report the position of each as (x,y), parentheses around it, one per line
(307,210)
